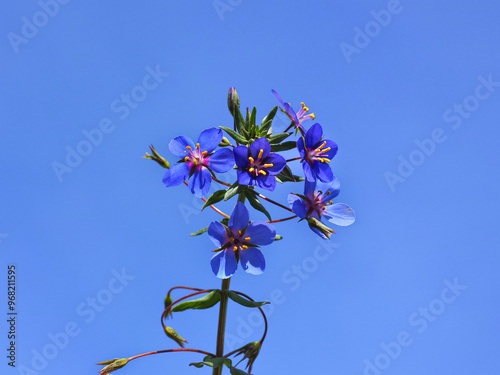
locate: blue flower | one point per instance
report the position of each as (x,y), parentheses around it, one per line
(238,241)
(198,160)
(316,154)
(297,117)
(257,165)
(316,203)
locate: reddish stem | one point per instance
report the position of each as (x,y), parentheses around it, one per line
(280,220)
(212,206)
(171,351)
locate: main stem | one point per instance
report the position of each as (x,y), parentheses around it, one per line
(222,324)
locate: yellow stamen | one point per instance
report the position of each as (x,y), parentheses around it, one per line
(245,247)
(251,169)
(322,145)
(247,238)
(195,162)
(204,152)
(327,160)
(330,202)
(189,147)
(260,153)
(251,159)
(231,239)
(186,158)
(239,232)
(197,145)
(268,165)
(324,207)
(304,107)
(328,192)
(262,172)
(313,116)
(324,150)
(235,248)
(321,159)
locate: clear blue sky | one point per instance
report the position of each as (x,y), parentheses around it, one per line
(409,90)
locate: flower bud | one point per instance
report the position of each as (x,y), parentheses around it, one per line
(320,228)
(170,332)
(168,302)
(250,351)
(113,365)
(157,158)
(225,142)
(233,100)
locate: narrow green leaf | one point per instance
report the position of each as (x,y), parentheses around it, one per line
(255,203)
(204,302)
(278,138)
(237,137)
(198,232)
(285,146)
(233,190)
(214,198)
(243,301)
(252,116)
(239,120)
(237,371)
(212,362)
(267,121)
(286,176)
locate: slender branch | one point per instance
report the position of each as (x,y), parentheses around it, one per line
(287,160)
(219,181)
(183,287)
(221,330)
(280,220)
(212,206)
(171,351)
(271,201)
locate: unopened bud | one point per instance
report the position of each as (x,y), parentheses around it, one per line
(168,302)
(170,332)
(114,364)
(157,158)
(320,228)
(225,142)
(233,100)
(250,351)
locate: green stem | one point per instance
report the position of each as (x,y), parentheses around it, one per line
(222,324)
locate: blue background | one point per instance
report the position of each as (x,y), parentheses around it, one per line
(435,226)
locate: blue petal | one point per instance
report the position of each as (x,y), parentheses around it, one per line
(333,149)
(239,218)
(301,147)
(178,145)
(313,135)
(308,172)
(298,205)
(200,181)
(244,178)
(323,171)
(217,233)
(309,188)
(260,144)
(241,156)
(224,264)
(291,113)
(278,163)
(267,182)
(277,97)
(340,214)
(175,175)
(222,160)
(260,233)
(332,187)
(209,139)
(252,260)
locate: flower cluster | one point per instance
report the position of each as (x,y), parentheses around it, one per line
(259,165)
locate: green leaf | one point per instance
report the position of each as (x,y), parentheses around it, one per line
(233,190)
(286,175)
(252,116)
(255,203)
(278,138)
(243,301)
(268,120)
(212,362)
(239,121)
(237,371)
(285,146)
(198,232)
(214,198)
(204,302)
(237,137)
